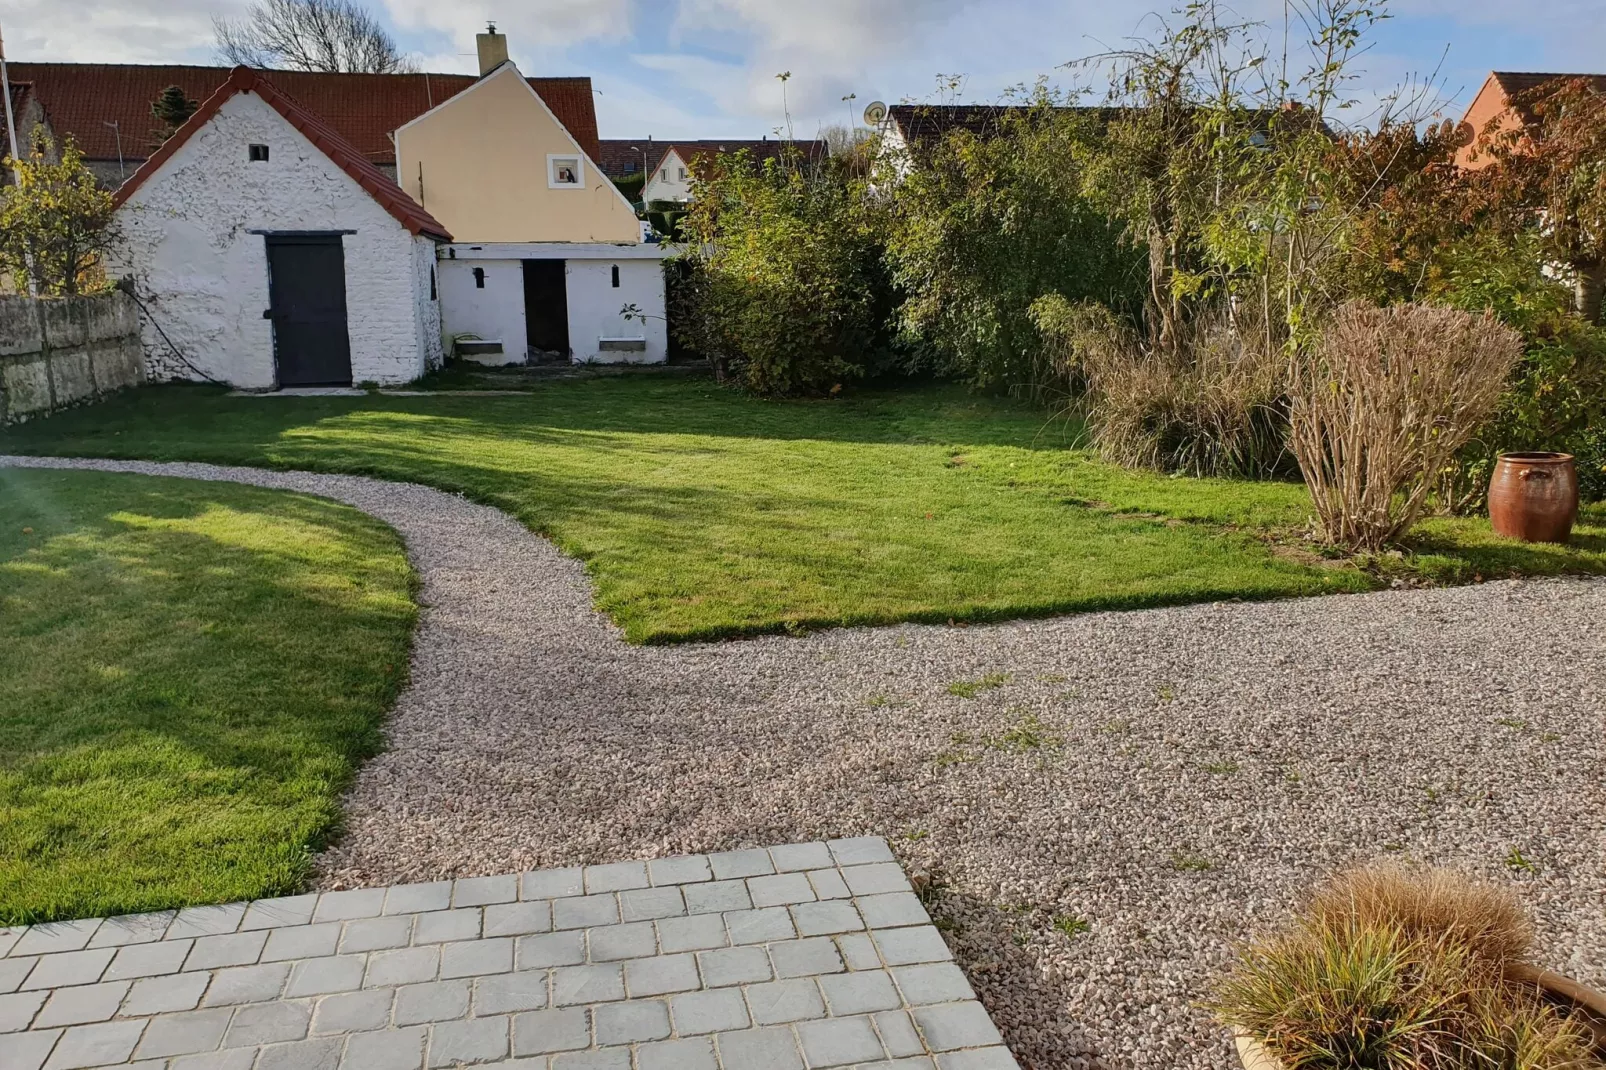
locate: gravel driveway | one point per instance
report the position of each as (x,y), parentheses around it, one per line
(1103,803)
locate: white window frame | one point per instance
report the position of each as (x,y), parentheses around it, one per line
(575,158)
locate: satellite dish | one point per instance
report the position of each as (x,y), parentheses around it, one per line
(875,113)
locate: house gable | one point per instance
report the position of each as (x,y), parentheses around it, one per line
(486,161)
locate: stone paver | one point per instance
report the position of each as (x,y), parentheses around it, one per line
(804,955)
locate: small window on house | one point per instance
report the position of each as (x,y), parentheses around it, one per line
(616,276)
(564,172)
(683,174)
(665,174)
(479,278)
(257,153)
(432,290)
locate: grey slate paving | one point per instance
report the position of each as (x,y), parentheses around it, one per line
(802,955)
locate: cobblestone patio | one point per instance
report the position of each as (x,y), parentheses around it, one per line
(811,954)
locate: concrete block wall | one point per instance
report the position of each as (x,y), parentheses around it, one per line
(61,351)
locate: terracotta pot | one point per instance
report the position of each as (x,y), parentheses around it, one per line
(1585,1003)
(1534,496)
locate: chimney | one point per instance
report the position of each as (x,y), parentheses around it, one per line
(492,47)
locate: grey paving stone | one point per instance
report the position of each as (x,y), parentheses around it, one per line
(206,921)
(892,909)
(53,938)
(941,982)
(160,995)
(479,891)
(404,966)
(858,951)
(698,932)
(780,889)
(475,958)
(227,1059)
(147,960)
(759,1049)
(587,984)
(517,919)
(132,929)
(181,1034)
(946,1026)
(716,897)
(353,1012)
(276,913)
(318,977)
(777,1002)
(826,918)
(805,958)
(759,926)
(753,862)
(14,971)
(859,993)
(898,1034)
(718,1011)
(230,949)
(477,1040)
(681,869)
(828,884)
(510,992)
(68,968)
(302,942)
(860,850)
(838,1042)
(437,1001)
(418,898)
(661,974)
(602,1059)
(247,984)
(551,949)
(997,1058)
(615,877)
(902,947)
(349,904)
(541,1032)
(794,856)
(875,879)
(82,1004)
(9,935)
(612,943)
(446,926)
(695,1053)
(921,1062)
(95,1045)
(631,1022)
(268,1023)
(643,904)
(552,883)
(584,911)
(376,934)
(27,1051)
(392,1049)
(734,966)
(322,1053)
(18,1009)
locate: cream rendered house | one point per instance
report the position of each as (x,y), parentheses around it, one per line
(548,260)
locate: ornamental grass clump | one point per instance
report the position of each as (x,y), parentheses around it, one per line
(1397,969)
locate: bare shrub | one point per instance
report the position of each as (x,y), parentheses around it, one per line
(1212,405)
(1382,403)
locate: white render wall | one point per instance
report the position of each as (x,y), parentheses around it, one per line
(673,188)
(497,311)
(204,277)
(595,310)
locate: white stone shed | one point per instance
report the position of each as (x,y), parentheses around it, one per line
(267,252)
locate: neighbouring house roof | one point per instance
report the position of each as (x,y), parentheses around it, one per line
(620,158)
(1515,83)
(20,91)
(342,153)
(363,109)
(623,157)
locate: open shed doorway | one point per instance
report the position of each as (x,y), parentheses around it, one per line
(546,310)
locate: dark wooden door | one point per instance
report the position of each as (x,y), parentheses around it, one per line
(546,306)
(307,292)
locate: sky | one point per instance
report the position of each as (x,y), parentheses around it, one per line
(707,68)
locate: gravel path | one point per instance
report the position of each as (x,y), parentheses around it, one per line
(1172,778)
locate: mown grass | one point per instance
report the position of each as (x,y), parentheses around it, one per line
(703,513)
(189,673)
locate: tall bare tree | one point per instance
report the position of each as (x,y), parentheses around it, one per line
(309,35)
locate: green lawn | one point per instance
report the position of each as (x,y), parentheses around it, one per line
(189,673)
(701,512)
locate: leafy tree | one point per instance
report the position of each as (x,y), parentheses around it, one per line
(55,222)
(309,35)
(170,110)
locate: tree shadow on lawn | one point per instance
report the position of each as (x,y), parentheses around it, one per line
(189,677)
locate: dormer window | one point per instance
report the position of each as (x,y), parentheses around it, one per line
(565,172)
(256,153)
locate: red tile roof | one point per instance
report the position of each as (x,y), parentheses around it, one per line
(245,80)
(620,158)
(364,109)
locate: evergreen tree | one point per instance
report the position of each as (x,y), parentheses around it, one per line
(170,109)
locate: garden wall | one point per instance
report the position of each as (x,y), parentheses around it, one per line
(60,351)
